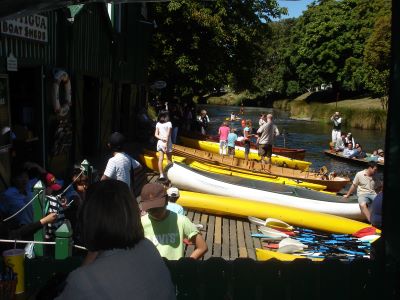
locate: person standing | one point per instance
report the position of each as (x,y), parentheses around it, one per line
(365,182)
(337,127)
(203,121)
(246,141)
(164,145)
(120,166)
(232,138)
(223,132)
(267,133)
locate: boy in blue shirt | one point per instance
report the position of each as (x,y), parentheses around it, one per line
(232,138)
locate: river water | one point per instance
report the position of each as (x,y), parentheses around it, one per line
(314,137)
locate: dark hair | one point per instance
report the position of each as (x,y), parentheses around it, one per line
(110,217)
(163,116)
(372,164)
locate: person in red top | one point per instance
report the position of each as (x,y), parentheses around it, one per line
(223,132)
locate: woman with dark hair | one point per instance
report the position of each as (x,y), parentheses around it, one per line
(163,134)
(126,265)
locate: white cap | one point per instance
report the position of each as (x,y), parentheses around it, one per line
(173,192)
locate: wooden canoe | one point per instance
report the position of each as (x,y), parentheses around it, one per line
(287,152)
(333,185)
(357,161)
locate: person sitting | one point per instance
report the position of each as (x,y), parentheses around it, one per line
(166,229)
(340,143)
(349,139)
(123,263)
(381,156)
(233,116)
(349,151)
(361,154)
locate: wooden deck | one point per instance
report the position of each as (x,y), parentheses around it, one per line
(226,237)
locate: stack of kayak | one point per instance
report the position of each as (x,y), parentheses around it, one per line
(285,242)
(333,183)
(278,160)
(149,159)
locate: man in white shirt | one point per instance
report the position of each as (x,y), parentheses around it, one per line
(337,127)
(120,165)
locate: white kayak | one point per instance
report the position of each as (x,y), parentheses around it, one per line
(188,179)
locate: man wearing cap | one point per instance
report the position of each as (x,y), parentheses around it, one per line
(337,127)
(365,182)
(119,166)
(166,229)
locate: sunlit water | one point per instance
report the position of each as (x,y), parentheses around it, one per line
(314,137)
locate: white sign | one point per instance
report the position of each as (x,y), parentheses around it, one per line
(12,63)
(159,85)
(32,27)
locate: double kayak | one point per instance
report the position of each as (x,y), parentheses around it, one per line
(278,160)
(357,161)
(150,160)
(187,178)
(333,183)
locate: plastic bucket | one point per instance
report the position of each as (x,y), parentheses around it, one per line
(14,258)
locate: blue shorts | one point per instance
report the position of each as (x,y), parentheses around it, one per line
(366,198)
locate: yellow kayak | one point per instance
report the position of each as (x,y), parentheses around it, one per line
(263,254)
(239,153)
(151,162)
(221,205)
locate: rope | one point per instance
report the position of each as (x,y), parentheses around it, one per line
(37,242)
(25,206)
(77,177)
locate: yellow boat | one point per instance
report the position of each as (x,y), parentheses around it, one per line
(239,153)
(221,205)
(263,254)
(151,162)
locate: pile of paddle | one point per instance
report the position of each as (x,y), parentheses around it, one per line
(279,236)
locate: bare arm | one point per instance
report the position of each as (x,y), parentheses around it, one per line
(200,246)
(350,191)
(104,177)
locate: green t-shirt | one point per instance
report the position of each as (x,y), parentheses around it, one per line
(167,235)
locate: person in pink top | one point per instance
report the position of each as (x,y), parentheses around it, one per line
(223,132)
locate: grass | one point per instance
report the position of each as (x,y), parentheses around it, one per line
(364,113)
(229,99)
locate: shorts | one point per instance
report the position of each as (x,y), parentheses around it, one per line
(265,150)
(164,147)
(222,144)
(247,147)
(366,198)
(231,150)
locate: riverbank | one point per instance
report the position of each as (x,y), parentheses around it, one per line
(364,113)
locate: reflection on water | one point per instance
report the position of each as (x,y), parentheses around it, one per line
(311,136)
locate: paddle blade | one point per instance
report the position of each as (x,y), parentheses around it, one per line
(275,223)
(365,231)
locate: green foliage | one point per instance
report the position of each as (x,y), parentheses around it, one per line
(202,45)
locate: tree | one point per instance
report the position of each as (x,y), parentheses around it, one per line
(198,45)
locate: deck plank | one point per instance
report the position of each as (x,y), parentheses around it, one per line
(241,241)
(210,236)
(217,237)
(225,238)
(256,241)
(233,239)
(248,240)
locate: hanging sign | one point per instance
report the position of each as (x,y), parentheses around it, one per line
(159,84)
(12,63)
(32,27)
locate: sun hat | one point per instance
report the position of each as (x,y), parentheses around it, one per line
(51,182)
(153,195)
(173,192)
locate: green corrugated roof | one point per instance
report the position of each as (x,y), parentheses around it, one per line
(75,9)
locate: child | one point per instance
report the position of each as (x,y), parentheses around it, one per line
(163,134)
(247,135)
(223,132)
(173,196)
(232,138)
(166,229)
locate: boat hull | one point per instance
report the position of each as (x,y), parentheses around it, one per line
(187,179)
(355,161)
